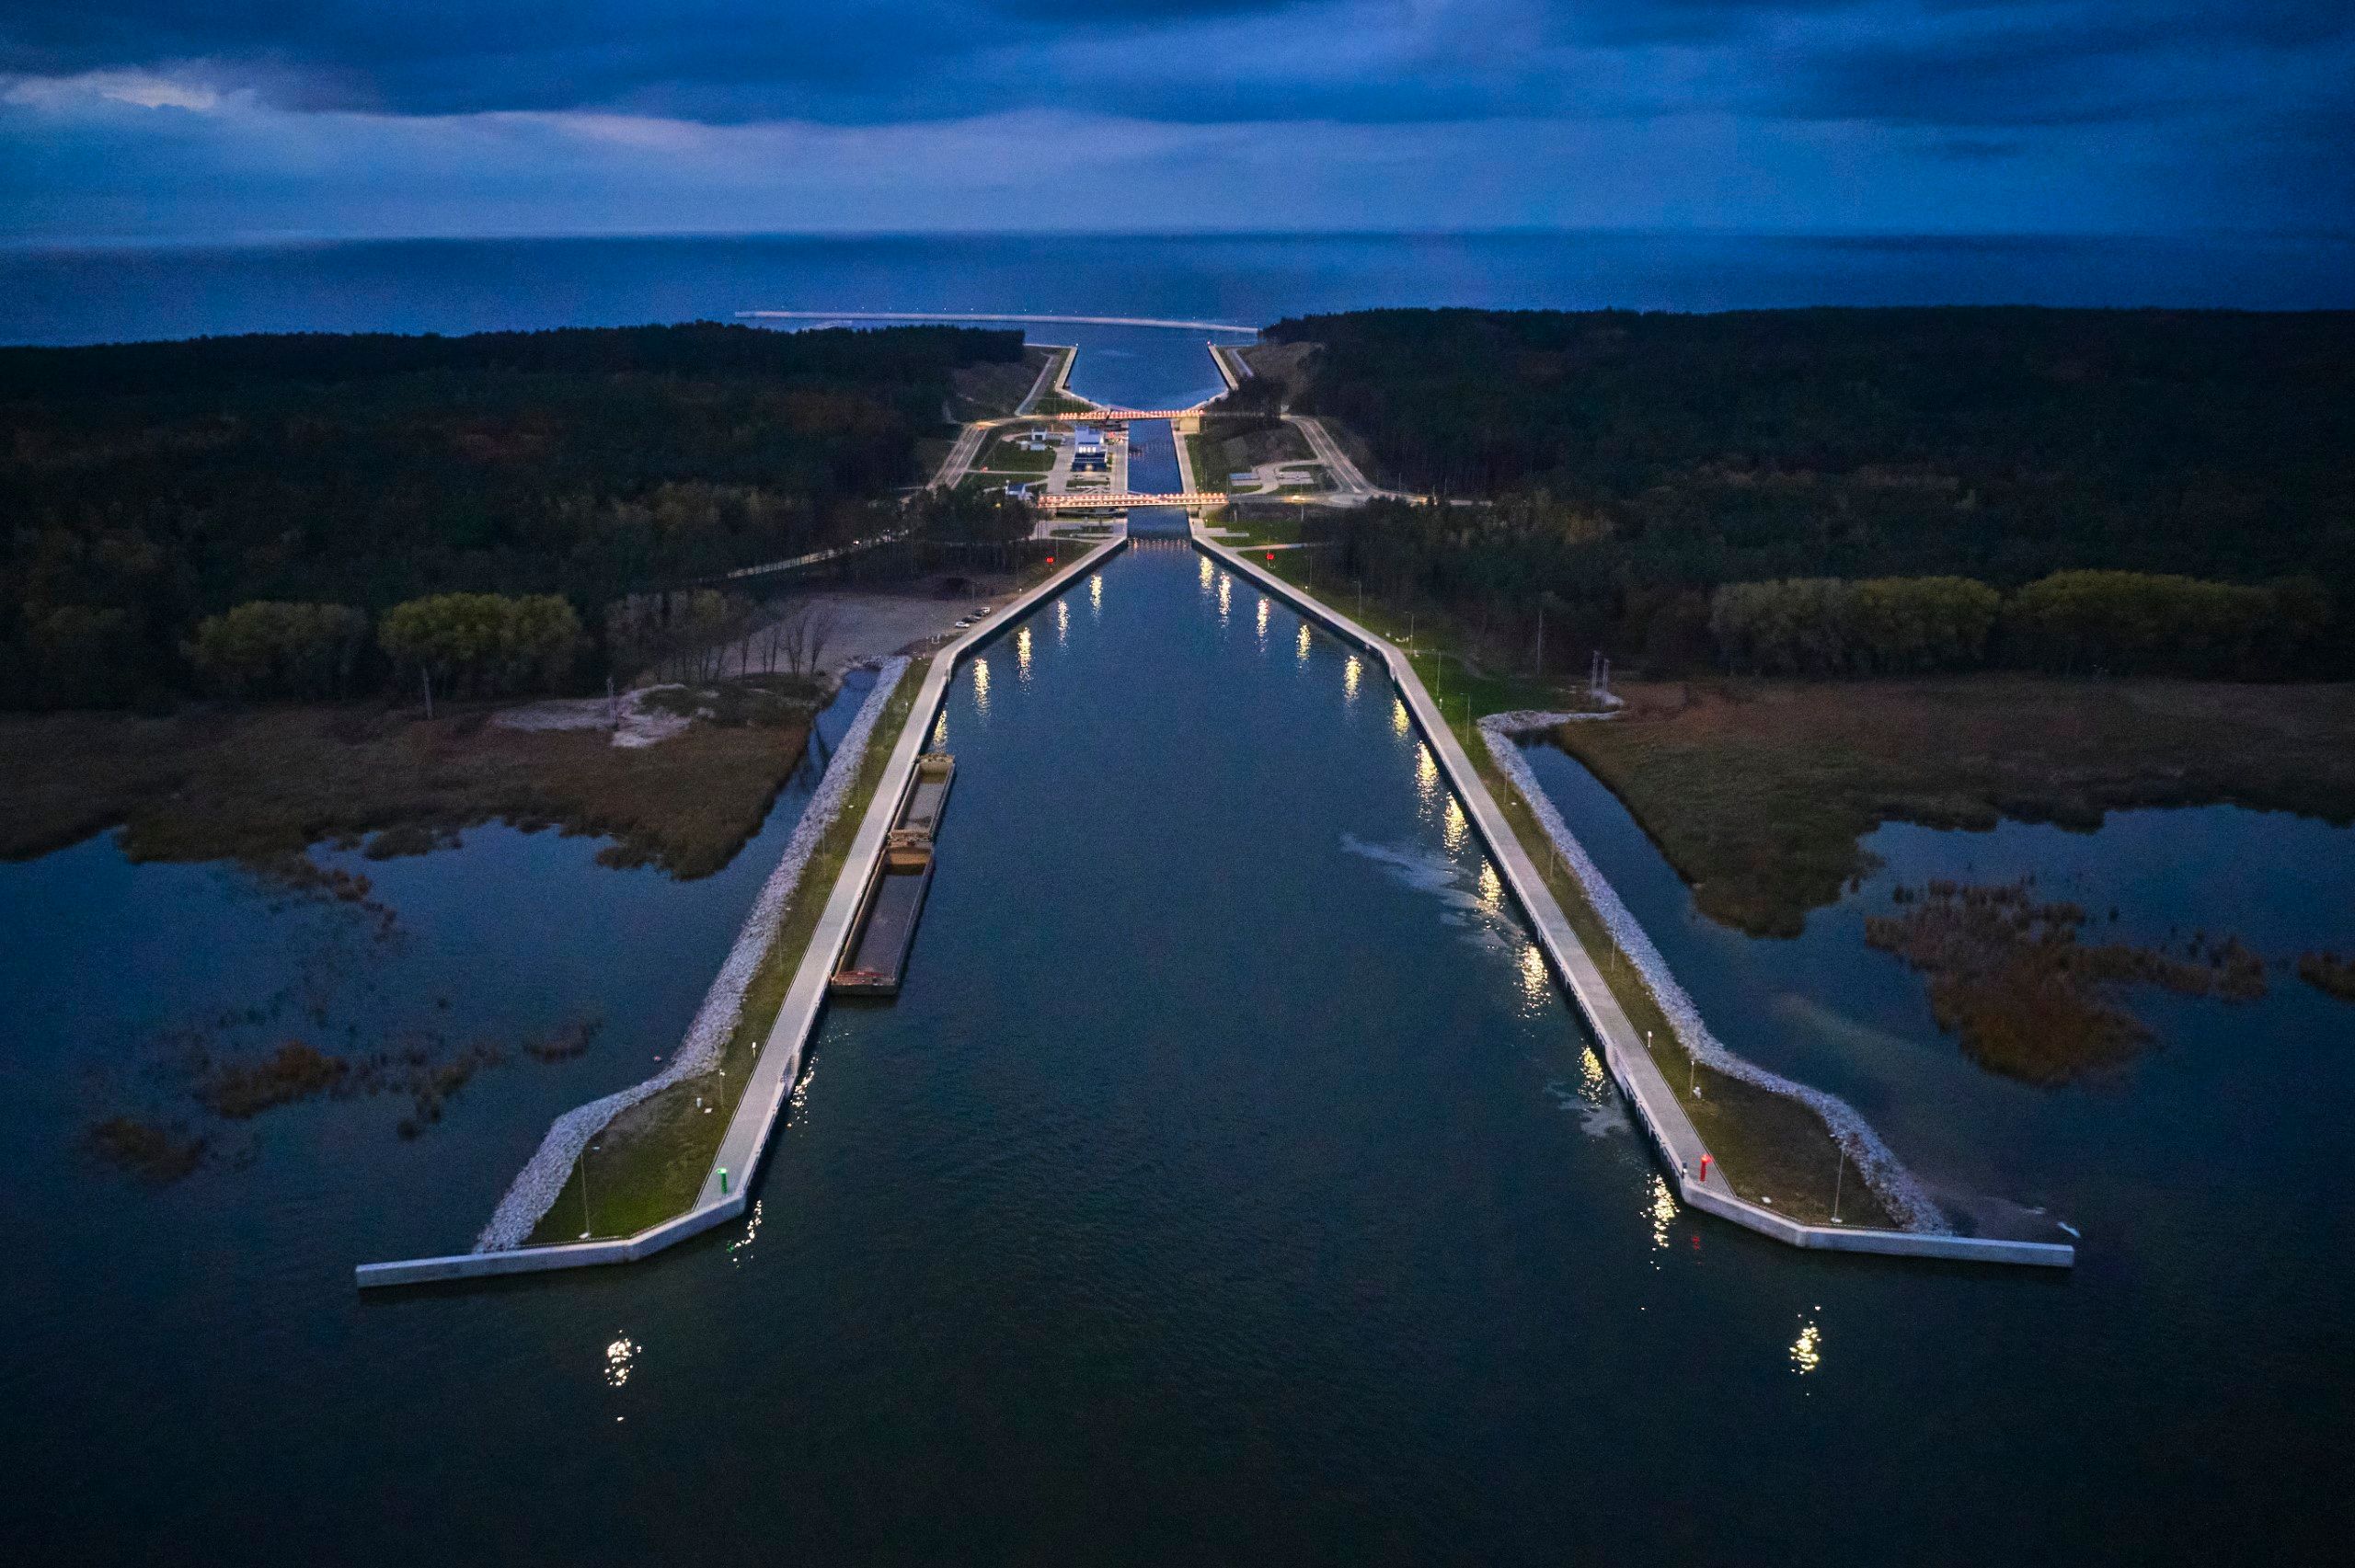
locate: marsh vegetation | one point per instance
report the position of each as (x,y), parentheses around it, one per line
(2016,978)
(1758,792)
(261,784)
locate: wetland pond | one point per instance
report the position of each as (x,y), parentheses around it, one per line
(2221,1105)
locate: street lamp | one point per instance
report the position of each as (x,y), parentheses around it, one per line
(585,1226)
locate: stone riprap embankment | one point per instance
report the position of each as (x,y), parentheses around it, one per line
(1896,1187)
(542,1177)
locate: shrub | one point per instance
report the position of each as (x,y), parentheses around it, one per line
(267,649)
(1902,624)
(2137,622)
(487,643)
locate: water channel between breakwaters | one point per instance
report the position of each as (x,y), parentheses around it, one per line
(1229,1181)
(1227,1184)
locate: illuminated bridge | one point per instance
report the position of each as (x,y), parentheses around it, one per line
(1118,500)
(1117,416)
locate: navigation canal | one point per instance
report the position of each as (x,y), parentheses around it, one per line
(1228,1184)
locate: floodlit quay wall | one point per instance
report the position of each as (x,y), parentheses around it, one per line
(725,1190)
(1639,1078)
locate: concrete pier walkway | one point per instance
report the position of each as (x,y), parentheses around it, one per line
(726,1185)
(1679,1145)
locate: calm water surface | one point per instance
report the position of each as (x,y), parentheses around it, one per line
(1227,1185)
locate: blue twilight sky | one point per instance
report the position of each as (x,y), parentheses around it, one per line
(206,119)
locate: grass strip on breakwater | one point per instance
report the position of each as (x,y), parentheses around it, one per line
(650,1161)
(1769,1145)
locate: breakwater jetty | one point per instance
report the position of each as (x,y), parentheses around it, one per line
(724,1193)
(1700,1182)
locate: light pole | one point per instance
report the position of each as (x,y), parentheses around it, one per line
(1836,1180)
(584,1190)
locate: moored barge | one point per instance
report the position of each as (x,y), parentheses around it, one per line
(885,929)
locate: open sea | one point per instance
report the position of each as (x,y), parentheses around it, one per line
(115,295)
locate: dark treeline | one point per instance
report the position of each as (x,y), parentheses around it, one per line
(2068,624)
(146,487)
(1637,462)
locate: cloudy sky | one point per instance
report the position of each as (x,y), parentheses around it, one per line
(207,118)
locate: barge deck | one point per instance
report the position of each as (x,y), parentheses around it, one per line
(876,957)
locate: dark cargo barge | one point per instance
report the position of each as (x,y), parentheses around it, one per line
(885,927)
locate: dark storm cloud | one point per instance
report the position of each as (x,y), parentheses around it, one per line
(556,115)
(1962,66)
(1929,61)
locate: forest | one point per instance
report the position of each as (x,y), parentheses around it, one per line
(149,490)
(1626,467)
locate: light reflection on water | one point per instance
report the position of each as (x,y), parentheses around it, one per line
(621,1359)
(1262,619)
(1351,672)
(1454,832)
(1022,653)
(1062,623)
(981,686)
(1537,985)
(1807,1350)
(1661,1211)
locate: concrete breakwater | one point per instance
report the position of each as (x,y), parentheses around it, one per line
(724,1193)
(1891,1181)
(1670,1130)
(542,1177)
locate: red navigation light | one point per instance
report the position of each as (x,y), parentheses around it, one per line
(1051,560)
(1272,557)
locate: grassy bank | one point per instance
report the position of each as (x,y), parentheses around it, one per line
(994,389)
(1758,792)
(650,1164)
(262,783)
(1221,447)
(1770,1146)
(1202,454)
(1006,455)
(1440,647)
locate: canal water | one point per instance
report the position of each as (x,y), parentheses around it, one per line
(1228,1184)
